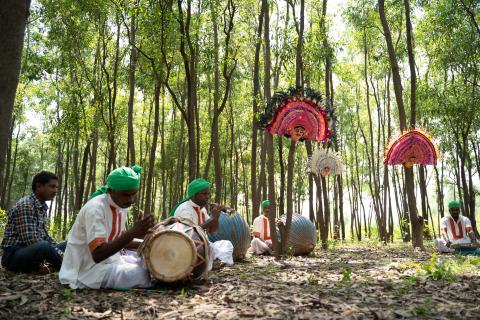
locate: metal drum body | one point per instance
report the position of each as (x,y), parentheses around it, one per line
(176,250)
(302,237)
(234,228)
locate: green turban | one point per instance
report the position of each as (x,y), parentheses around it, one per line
(193,188)
(454,204)
(196,186)
(121,179)
(265,203)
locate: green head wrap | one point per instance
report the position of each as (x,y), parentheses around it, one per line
(454,204)
(265,204)
(196,186)
(193,188)
(123,178)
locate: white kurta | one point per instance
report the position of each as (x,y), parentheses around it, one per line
(261,243)
(223,249)
(192,211)
(457,232)
(99,221)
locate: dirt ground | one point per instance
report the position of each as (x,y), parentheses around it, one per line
(345,282)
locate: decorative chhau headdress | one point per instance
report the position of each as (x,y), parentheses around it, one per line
(411,147)
(323,163)
(298,110)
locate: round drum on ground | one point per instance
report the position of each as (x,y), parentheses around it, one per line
(233,227)
(302,236)
(176,250)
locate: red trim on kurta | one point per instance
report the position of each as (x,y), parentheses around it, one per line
(114,224)
(119,224)
(266,235)
(95,243)
(454,229)
(200,215)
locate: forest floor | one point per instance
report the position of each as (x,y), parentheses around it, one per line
(348,281)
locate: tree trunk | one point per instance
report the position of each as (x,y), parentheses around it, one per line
(256,98)
(268,137)
(8,170)
(13,18)
(131,81)
(153,149)
(417,224)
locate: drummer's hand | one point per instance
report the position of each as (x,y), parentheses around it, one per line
(216,209)
(142,226)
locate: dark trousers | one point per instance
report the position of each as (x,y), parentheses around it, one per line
(29,258)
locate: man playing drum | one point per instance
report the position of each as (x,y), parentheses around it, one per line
(93,256)
(456,230)
(262,243)
(193,207)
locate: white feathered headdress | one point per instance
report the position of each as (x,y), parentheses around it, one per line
(321,160)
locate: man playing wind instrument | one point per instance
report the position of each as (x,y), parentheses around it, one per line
(93,256)
(262,243)
(193,207)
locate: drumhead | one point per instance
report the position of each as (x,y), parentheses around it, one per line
(172,256)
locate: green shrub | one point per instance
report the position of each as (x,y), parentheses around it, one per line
(3,221)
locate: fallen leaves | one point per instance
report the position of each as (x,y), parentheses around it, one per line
(349,282)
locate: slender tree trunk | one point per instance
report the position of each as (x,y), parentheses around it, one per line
(7,167)
(268,137)
(153,149)
(417,224)
(14,166)
(131,79)
(65,193)
(256,98)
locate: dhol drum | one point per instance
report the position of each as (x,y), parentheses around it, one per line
(302,236)
(233,227)
(176,250)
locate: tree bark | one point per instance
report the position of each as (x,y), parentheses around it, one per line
(131,81)
(153,150)
(256,98)
(417,224)
(13,19)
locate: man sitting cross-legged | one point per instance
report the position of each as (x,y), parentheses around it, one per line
(456,229)
(93,258)
(262,243)
(26,244)
(193,207)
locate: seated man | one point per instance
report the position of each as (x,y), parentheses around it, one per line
(93,258)
(262,243)
(193,207)
(26,243)
(455,229)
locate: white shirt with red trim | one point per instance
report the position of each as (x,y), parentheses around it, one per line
(261,227)
(192,211)
(100,220)
(457,232)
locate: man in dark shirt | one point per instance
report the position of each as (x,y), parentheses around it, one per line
(26,243)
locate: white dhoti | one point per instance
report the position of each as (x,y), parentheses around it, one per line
(260,246)
(441,245)
(221,250)
(128,273)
